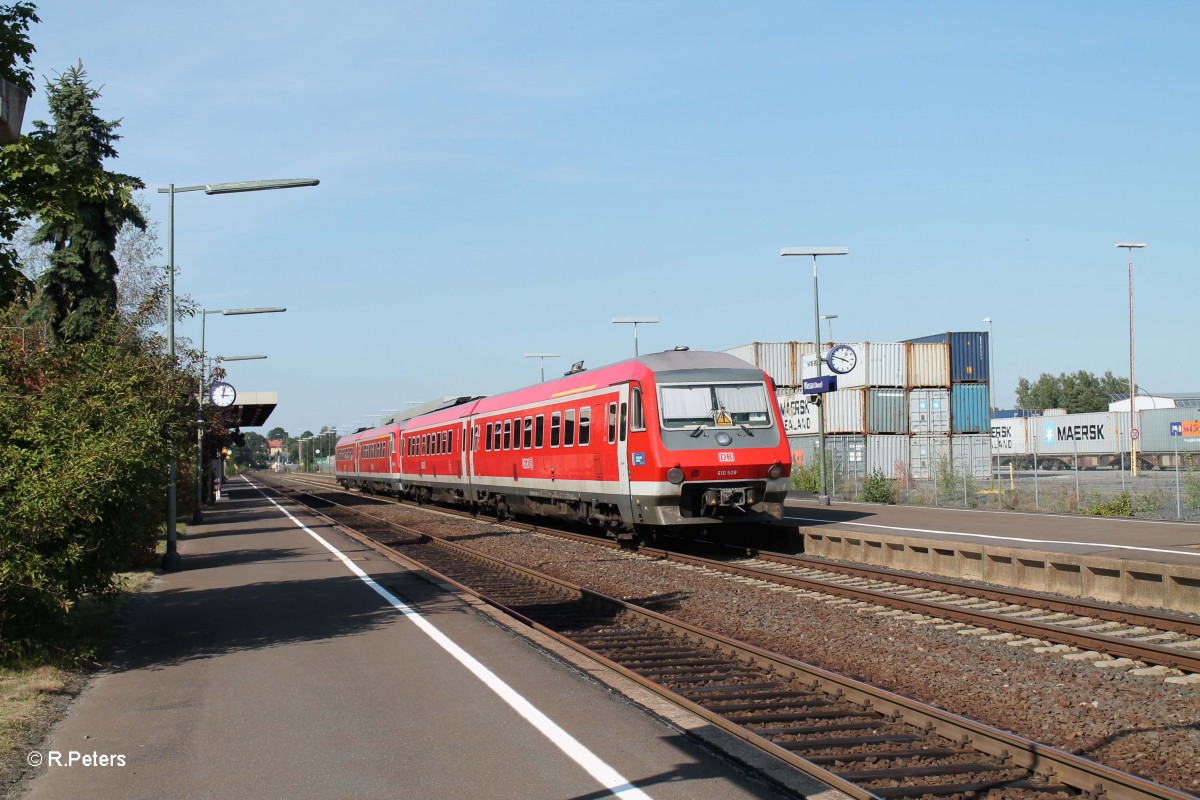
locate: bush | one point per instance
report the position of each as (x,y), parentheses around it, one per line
(806,478)
(878,489)
(1119,506)
(84,433)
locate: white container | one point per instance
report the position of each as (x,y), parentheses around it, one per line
(1068,434)
(845,411)
(928,365)
(929,412)
(925,452)
(799,415)
(781,360)
(887,364)
(885,452)
(972,453)
(1008,436)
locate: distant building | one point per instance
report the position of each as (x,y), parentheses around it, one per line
(275,448)
(1146,402)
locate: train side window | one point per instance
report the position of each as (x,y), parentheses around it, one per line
(517,433)
(487,438)
(624,420)
(496,437)
(585,425)
(528,432)
(569,428)
(637,419)
(539,431)
(555,428)
(612,422)
(508,434)
(449,442)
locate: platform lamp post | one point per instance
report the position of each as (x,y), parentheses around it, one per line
(994,465)
(817,252)
(542,361)
(1133,418)
(635,321)
(171,560)
(198,512)
(829,318)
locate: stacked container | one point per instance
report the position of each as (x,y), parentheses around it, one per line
(901,404)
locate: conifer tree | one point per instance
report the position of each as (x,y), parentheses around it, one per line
(79,288)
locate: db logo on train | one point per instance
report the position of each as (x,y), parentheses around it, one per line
(725,456)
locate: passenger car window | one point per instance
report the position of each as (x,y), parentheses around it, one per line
(585,425)
(555,427)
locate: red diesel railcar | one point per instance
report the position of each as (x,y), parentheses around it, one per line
(665,439)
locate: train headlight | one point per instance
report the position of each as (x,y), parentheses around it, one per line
(675,475)
(775,471)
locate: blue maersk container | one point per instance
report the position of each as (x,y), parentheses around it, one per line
(969,408)
(968,354)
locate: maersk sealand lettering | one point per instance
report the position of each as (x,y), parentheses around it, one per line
(1079,433)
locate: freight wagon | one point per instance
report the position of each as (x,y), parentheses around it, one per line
(1101,440)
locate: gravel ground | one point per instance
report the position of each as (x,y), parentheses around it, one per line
(1135,724)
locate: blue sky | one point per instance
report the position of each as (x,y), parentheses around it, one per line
(499,178)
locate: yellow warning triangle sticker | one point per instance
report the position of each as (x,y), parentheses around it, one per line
(723,419)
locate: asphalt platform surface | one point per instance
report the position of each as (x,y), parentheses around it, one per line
(266,668)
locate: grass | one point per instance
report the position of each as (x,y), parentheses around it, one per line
(33,696)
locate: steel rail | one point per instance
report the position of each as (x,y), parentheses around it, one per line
(1043,762)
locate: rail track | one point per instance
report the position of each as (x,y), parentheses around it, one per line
(1141,636)
(865,741)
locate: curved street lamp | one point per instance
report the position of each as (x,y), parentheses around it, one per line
(815,252)
(171,560)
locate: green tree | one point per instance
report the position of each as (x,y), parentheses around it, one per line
(16,68)
(15,47)
(80,287)
(1078,392)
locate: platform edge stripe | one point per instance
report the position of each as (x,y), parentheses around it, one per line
(609,778)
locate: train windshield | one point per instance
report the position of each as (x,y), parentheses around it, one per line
(721,404)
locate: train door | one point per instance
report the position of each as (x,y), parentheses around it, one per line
(623,454)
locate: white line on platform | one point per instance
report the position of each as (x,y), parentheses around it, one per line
(1105,545)
(608,777)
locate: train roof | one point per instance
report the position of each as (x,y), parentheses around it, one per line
(680,365)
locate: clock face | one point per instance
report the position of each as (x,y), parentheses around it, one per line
(842,359)
(222,394)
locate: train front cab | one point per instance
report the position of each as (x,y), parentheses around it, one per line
(706,448)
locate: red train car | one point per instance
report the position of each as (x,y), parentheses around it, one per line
(663,440)
(370,460)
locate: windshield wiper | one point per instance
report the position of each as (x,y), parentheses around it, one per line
(742,425)
(699,431)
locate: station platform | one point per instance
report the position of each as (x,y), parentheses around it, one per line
(1149,563)
(287,660)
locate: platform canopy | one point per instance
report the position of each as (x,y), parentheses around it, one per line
(251,409)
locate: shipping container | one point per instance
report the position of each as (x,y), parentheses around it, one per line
(1155,430)
(972,453)
(884,453)
(969,408)
(845,411)
(1008,435)
(925,453)
(845,458)
(928,365)
(929,411)
(1072,434)
(887,364)
(804,450)
(968,354)
(799,415)
(856,378)
(847,463)
(887,411)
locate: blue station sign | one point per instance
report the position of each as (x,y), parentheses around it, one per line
(820,385)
